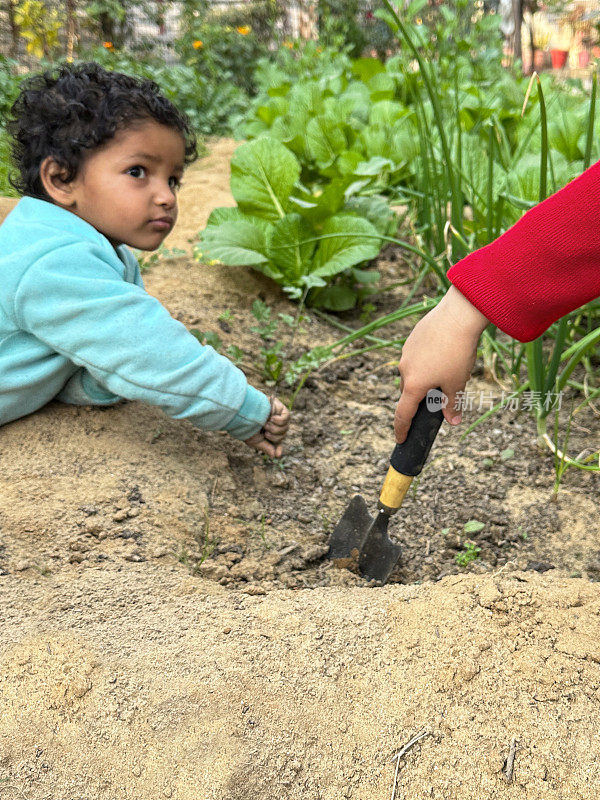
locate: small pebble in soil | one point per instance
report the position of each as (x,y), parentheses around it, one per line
(133,556)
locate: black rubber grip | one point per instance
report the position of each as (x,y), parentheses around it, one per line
(409,457)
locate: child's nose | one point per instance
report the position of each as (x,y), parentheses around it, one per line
(165,195)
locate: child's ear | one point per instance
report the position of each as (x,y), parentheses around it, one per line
(52,176)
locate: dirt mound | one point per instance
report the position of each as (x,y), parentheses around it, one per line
(143,683)
(171,626)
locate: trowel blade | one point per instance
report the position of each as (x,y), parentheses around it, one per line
(349,534)
(378,554)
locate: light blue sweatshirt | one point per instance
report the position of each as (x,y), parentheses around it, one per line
(76,325)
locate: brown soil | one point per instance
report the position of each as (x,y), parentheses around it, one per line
(171,626)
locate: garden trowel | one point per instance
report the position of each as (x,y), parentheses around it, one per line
(360,538)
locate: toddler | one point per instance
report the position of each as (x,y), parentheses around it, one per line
(100,156)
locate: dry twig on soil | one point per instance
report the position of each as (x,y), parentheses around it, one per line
(510,761)
(401,752)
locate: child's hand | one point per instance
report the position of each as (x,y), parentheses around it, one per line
(440,351)
(268,439)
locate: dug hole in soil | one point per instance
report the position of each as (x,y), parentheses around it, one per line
(172,628)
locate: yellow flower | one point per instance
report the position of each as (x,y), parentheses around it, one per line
(108,45)
(289,45)
(198,44)
(244,29)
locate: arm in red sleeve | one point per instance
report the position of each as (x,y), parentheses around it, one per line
(545,266)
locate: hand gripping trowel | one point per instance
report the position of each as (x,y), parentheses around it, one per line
(360,538)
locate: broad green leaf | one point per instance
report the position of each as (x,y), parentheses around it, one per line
(307,99)
(366,68)
(225,214)
(288,249)
(327,201)
(263,174)
(240,243)
(276,107)
(325,139)
(365,275)
(374,166)
(354,240)
(335,298)
(376,141)
(290,131)
(376,210)
(348,161)
(405,147)
(386,112)
(382,87)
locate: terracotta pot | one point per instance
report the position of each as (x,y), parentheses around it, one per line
(559,58)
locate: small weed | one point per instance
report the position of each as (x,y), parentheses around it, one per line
(208,337)
(42,570)
(235,354)
(156,435)
(327,522)
(260,531)
(147,261)
(278,463)
(469,554)
(271,353)
(367,312)
(183,556)
(206,544)
(524,534)
(226,316)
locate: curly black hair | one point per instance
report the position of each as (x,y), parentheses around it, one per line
(73,108)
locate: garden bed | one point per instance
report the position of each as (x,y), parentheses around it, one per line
(156,641)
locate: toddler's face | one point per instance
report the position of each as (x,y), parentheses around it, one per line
(127,187)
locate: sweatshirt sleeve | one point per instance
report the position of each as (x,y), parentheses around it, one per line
(545,266)
(77,302)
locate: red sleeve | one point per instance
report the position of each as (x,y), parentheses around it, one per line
(546,265)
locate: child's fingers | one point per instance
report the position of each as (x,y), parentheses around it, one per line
(274,450)
(275,434)
(277,407)
(276,425)
(405,411)
(452,411)
(258,442)
(278,422)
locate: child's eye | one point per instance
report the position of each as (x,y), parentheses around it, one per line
(175,182)
(138,169)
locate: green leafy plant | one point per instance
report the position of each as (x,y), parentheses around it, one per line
(469,554)
(302,241)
